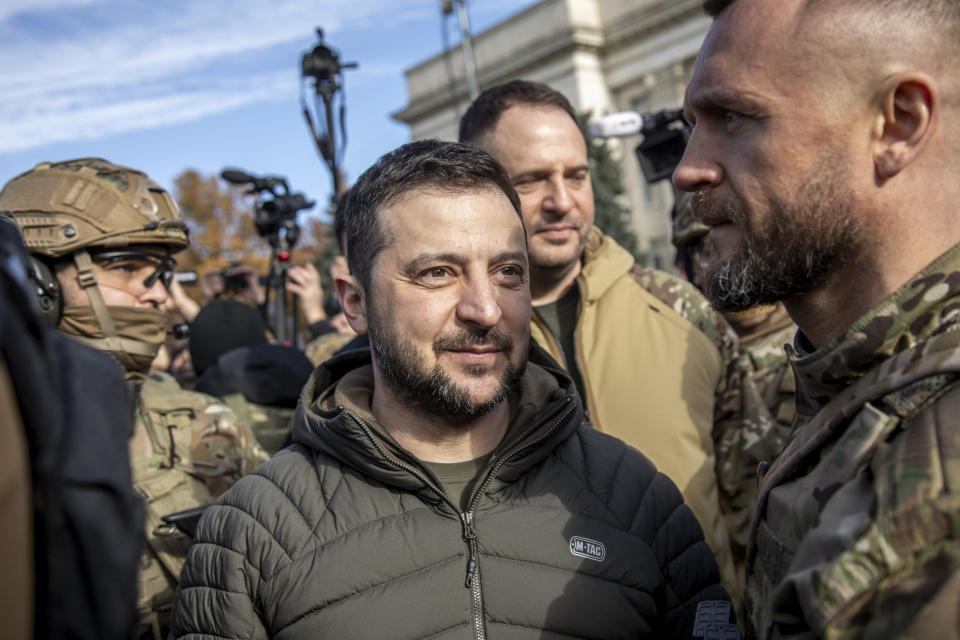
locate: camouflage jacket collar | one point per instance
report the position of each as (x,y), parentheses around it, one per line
(923,307)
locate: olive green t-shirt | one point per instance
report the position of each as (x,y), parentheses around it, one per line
(561,318)
(458,478)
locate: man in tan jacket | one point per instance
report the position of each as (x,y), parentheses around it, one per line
(654,363)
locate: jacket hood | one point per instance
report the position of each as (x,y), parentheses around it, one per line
(604,262)
(334,417)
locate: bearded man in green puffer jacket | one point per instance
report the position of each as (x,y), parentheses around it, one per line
(441,485)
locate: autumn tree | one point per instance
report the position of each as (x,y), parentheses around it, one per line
(222,232)
(221,224)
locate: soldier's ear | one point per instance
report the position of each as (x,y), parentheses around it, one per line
(909,107)
(352,301)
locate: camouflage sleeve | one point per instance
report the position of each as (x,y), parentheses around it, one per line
(224,448)
(744,433)
(887,564)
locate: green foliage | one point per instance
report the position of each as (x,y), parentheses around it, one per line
(612,217)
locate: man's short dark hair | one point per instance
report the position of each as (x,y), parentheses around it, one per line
(938,12)
(428,164)
(483,114)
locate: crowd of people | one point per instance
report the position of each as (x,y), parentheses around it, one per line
(510,429)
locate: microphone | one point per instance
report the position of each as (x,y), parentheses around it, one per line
(618,125)
(236,176)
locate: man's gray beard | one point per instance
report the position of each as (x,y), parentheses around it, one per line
(795,249)
(435,393)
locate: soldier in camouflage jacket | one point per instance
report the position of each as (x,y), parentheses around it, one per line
(856,524)
(824,156)
(102,236)
(763,331)
(187,449)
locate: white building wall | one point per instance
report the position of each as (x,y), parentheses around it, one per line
(604,55)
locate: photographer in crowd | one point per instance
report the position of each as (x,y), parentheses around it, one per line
(236,282)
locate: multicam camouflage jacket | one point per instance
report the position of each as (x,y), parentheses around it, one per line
(764,333)
(772,374)
(270,425)
(187,449)
(856,531)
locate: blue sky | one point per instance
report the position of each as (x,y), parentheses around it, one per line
(205,84)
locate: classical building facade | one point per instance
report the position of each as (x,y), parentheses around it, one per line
(604,55)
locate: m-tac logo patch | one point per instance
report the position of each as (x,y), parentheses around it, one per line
(587,548)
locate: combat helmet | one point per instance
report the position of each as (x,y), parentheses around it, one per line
(65,206)
(77,208)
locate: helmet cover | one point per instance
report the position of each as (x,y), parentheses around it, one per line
(62,207)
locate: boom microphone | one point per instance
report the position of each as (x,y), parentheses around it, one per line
(236,176)
(617,125)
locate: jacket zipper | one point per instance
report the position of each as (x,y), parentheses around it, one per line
(468,532)
(473,570)
(473,578)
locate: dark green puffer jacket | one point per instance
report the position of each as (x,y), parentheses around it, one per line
(570,533)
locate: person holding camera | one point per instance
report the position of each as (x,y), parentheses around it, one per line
(235,282)
(102,239)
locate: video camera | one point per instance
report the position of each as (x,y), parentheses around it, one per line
(322,63)
(275,217)
(321,66)
(665,134)
(276,208)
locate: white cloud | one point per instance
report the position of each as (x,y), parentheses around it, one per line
(88,68)
(73,118)
(16,7)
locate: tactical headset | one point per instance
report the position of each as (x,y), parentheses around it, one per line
(42,278)
(47,289)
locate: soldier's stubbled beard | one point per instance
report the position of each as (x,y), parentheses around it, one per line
(434,392)
(791,250)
